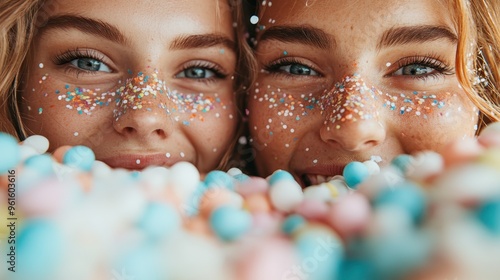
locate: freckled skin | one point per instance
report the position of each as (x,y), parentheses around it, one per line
(145,104)
(360,104)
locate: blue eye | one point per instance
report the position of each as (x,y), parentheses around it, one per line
(196,73)
(414,70)
(298,69)
(90,64)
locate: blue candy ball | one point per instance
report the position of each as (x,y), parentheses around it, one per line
(217,178)
(406,196)
(10,153)
(402,162)
(80,157)
(159,219)
(489,215)
(39,250)
(291,223)
(42,163)
(229,223)
(354,173)
(143,262)
(279,175)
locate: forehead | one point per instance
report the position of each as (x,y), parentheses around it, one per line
(360,15)
(157,15)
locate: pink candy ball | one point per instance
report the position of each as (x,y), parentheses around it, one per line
(350,214)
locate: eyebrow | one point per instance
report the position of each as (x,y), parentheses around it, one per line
(85,25)
(306,35)
(201,41)
(415,34)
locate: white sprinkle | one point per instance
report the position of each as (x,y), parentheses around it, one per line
(388,64)
(231,116)
(138,161)
(315,161)
(168,155)
(254,19)
(307,149)
(242,140)
(76,133)
(292,130)
(182,154)
(287,145)
(40,65)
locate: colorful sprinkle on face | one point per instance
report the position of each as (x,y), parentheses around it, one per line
(140,92)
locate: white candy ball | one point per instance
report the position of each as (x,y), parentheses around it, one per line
(184,178)
(373,167)
(37,142)
(234,171)
(424,165)
(27,151)
(286,195)
(319,193)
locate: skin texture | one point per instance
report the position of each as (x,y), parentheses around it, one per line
(340,92)
(143,97)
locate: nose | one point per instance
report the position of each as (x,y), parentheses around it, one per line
(352,119)
(354,136)
(142,109)
(143,123)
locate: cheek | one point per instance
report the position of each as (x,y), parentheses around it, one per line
(438,125)
(277,117)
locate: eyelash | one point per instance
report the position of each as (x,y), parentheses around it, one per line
(274,67)
(432,61)
(69,55)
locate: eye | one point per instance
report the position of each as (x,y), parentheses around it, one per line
(90,64)
(298,69)
(414,70)
(421,67)
(196,73)
(291,67)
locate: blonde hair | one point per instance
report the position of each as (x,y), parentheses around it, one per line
(17,25)
(478,54)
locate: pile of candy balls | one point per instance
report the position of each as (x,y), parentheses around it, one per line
(424,216)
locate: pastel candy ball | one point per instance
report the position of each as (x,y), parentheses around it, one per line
(230,223)
(38,142)
(143,262)
(373,167)
(217,178)
(42,163)
(286,195)
(489,215)
(321,193)
(424,165)
(80,157)
(350,214)
(402,162)
(320,252)
(407,197)
(39,250)
(279,175)
(184,178)
(312,209)
(354,173)
(292,223)
(9,152)
(159,220)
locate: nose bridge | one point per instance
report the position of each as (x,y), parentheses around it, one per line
(350,100)
(142,92)
(351,114)
(143,104)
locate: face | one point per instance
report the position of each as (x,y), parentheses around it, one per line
(343,81)
(139,83)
